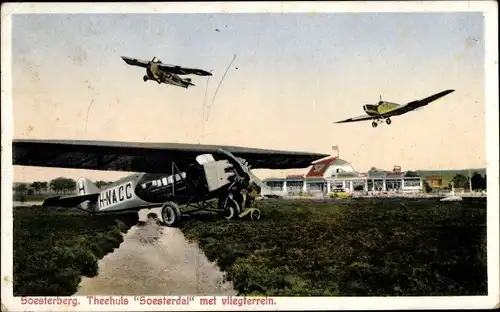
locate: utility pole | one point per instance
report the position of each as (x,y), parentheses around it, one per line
(470,183)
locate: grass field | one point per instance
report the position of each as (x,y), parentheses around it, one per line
(53,248)
(301,247)
(352,248)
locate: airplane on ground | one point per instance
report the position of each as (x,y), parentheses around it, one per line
(385,110)
(163,73)
(173,174)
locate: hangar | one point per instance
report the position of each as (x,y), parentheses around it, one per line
(333,174)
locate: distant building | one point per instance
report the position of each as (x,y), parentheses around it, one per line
(434,181)
(333,174)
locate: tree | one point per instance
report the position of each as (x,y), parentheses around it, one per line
(36,186)
(44,186)
(56,185)
(20,191)
(460,181)
(70,185)
(100,184)
(478,181)
(63,185)
(426,187)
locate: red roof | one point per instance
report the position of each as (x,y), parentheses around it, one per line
(319,167)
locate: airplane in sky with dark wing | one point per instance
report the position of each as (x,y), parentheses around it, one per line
(173,174)
(385,110)
(164,73)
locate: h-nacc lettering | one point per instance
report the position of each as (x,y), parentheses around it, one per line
(116,195)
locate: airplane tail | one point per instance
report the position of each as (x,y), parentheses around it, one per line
(85,186)
(86,198)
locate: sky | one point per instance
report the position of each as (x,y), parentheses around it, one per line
(293,76)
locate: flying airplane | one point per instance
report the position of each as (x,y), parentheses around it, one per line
(173,174)
(163,73)
(385,110)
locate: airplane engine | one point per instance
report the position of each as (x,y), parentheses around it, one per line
(217,175)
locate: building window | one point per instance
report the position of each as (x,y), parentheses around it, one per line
(316,186)
(275,185)
(358,185)
(393,185)
(294,184)
(338,184)
(412,183)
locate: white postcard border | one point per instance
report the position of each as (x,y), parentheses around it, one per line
(489,8)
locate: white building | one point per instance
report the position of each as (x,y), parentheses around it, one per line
(332,174)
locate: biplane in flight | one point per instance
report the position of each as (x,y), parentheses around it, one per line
(164,73)
(385,110)
(202,177)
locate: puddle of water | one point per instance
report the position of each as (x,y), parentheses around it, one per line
(155,260)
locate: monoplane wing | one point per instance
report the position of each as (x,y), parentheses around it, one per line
(427,100)
(415,104)
(144,157)
(179,70)
(135,62)
(359,118)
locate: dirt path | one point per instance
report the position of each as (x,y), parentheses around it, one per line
(155,260)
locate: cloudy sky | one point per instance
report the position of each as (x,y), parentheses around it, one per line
(293,76)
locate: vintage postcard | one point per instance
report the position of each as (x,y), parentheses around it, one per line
(250,156)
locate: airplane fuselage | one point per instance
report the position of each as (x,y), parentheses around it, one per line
(160,76)
(140,190)
(145,189)
(381,107)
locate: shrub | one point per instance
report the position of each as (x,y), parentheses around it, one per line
(54,247)
(365,247)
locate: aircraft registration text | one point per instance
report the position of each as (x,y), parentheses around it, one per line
(116,195)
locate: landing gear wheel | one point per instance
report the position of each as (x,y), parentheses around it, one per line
(145,78)
(240,201)
(232,209)
(255,215)
(388,121)
(171,214)
(374,124)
